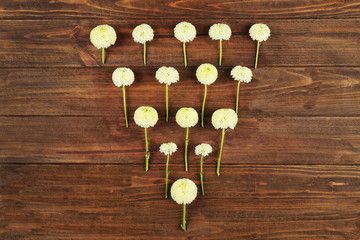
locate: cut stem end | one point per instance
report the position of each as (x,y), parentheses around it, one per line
(183,225)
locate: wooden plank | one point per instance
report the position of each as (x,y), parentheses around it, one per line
(176,9)
(122,202)
(90,91)
(261,140)
(292,43)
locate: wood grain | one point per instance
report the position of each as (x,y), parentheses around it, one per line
(260,140)
(90,91)
(69,169)
(120,202)
(178,9)
(292,43)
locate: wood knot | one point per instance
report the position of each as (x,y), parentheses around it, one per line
(75,32)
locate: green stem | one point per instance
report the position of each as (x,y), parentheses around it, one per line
(203,107)
(186,148)
(237,97)
(103,55)
(201,175)
(124,97)
(183,225)
(147,154)
(257,53)
(220,57)
(221,148)
(167,103)
(145,53)
(184,50)
(167,176)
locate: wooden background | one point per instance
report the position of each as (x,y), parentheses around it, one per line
(70,170)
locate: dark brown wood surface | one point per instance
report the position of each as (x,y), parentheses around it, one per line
(177,9)
(69,169)
(77,201)
(90,91)
(260,140)
(65,43)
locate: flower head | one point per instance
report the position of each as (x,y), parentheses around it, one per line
(220,31)
(167,75)
(259,32)
(168,148)
(123,77)
(146,116)
(185,32)
(224,118)
(103,36)
(206,73)
(143,33)
(183,191)
(242,74)
(203,149)
(187,117)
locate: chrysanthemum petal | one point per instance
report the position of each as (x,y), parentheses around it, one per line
(123,77)
(167,75)
(224,118)
(259,32)
(103,36)
(146,116)
(143,33)
(203,149)
(206,73)
(185,32)
(220,31)
(183,191)
(242,74)
(168,148)
(187,117)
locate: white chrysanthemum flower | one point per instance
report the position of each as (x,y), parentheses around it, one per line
(103,36)
(146,116)
(143,33)
(242,74)
(206,73)
(185,32)
(259,32)
(123,77)
(167,75)
(187,117)
(224,118)
(183,191)
(203,149)
(220,31)
(168,148)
